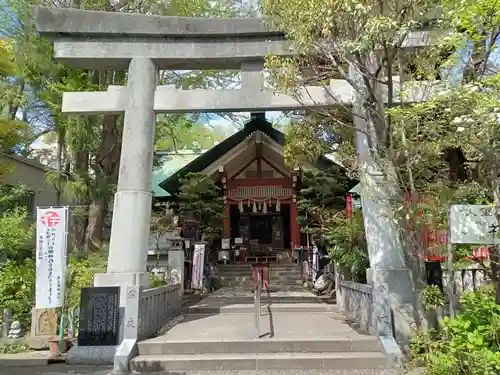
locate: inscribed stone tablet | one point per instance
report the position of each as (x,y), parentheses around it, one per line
(99,321)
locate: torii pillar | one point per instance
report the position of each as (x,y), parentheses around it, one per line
(132,204)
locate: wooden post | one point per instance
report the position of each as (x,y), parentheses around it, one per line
(227,220)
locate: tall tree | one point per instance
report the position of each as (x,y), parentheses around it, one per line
(338,39)
(88,147)
(179,132)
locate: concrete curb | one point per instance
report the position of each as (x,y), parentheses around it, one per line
(27,359)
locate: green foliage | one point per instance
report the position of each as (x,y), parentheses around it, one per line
(156,280)
(200,198)
(433,297)
(12,132)
(468,344)
(321,194)
(7,67)
(321,204)
(89,146)
(82,274)
(347,240)
(14,348)
(17,284)
(15,230)
(17,289)
(178,132)
(422,147)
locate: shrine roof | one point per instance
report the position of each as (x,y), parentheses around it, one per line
(172,183)
(168,164)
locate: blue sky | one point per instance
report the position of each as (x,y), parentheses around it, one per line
(227,125)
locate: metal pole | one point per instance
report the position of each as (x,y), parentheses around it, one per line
(257,303)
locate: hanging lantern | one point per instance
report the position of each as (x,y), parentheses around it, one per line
(264,210)
(240,206)
(254,207)
(278,206)
(249,203)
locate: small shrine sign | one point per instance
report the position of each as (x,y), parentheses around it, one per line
(473,224)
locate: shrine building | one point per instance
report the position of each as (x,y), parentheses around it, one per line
(259,190)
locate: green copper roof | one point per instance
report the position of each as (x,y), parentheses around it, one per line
(167,165)
(258,122)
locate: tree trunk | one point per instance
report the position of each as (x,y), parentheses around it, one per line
(494,250)
(80,217)
(58,166)
(106,168)
(97,216)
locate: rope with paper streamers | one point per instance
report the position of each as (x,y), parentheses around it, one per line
(259,197)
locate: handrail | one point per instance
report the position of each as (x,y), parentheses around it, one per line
(256,302)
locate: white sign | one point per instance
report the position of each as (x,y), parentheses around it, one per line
(226,243)
(198,265)
(473,224)
(238,240)
(315,262)
(356,203)
(51,233)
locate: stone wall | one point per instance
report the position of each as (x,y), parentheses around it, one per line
(357,303)
(156,307)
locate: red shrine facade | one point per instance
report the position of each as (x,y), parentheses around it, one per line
(259,192)
(261,208)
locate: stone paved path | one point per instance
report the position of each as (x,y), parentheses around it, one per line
(89,370)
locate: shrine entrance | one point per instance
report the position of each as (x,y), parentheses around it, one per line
(261,229)
(257,229)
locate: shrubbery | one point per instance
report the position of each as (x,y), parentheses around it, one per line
(17,284)
(17,289)
(466,345)
(81,273)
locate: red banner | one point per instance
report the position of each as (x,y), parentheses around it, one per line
(348,208)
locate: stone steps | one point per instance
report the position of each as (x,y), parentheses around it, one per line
(241,275)
(305,307)
(258,361)
(218,334)
(248,282)
(317,345)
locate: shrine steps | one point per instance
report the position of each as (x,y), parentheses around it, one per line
(259,361)
(278,306)
(219,334)
(281,275)
(315,353)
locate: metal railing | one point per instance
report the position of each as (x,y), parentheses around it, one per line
(256,302)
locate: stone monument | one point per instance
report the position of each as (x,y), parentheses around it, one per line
(44,324)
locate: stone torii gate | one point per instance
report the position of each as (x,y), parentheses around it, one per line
(145,44)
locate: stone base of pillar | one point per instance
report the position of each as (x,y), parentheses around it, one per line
(393,312)
(123,280)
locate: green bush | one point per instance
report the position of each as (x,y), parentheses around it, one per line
(466,345)
(17,289)
(156,280)
(81,272)
(15,234)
